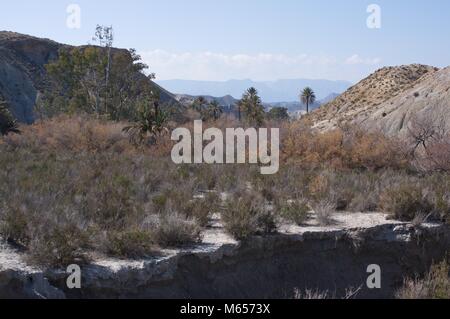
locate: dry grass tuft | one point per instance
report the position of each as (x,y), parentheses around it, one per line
(435,285)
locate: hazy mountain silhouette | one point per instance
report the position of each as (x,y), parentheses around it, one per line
(270,91)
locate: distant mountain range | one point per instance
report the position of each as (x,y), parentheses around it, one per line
(187,100)
(270,91)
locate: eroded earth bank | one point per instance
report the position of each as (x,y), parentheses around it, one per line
(332,259)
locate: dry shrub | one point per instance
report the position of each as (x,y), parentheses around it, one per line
(295,211)
(174,230)
(348,147)
(350,293)
(14,225)
(311,294)
(82,133)
(405,202)
(248,214)
(59,245)
(324,211)
(130,244)
(436,158)
(318,187)
(308,148)
(441,205)
(77,133)
(435,285)
(430,143)
(200,209)
(373,150)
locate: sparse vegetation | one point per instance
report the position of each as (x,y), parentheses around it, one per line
(81,172)
(435,285)
(92,177)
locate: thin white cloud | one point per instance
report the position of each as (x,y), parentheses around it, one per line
(262,66)
(356,59)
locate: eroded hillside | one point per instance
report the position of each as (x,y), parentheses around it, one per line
(366,97)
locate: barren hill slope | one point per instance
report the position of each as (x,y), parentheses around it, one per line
(428,102)
(365,98)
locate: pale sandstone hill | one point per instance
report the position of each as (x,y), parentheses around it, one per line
(363,99)
(428,102)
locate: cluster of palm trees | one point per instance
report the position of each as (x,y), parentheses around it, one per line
(152,120)
(250,108)
(207,109)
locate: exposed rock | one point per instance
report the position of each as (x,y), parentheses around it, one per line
(330,259)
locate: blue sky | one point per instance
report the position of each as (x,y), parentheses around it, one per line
(255,39)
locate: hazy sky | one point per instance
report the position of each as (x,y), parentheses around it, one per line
(251,39)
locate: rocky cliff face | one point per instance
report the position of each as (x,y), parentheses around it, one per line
(23,76)
(22,72)
(331,259)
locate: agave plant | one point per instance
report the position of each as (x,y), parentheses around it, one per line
(151,123)
(7,122)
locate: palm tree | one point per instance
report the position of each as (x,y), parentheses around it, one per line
(252,107)
(199,104)
(308,97)
(238,108)
(215,110)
